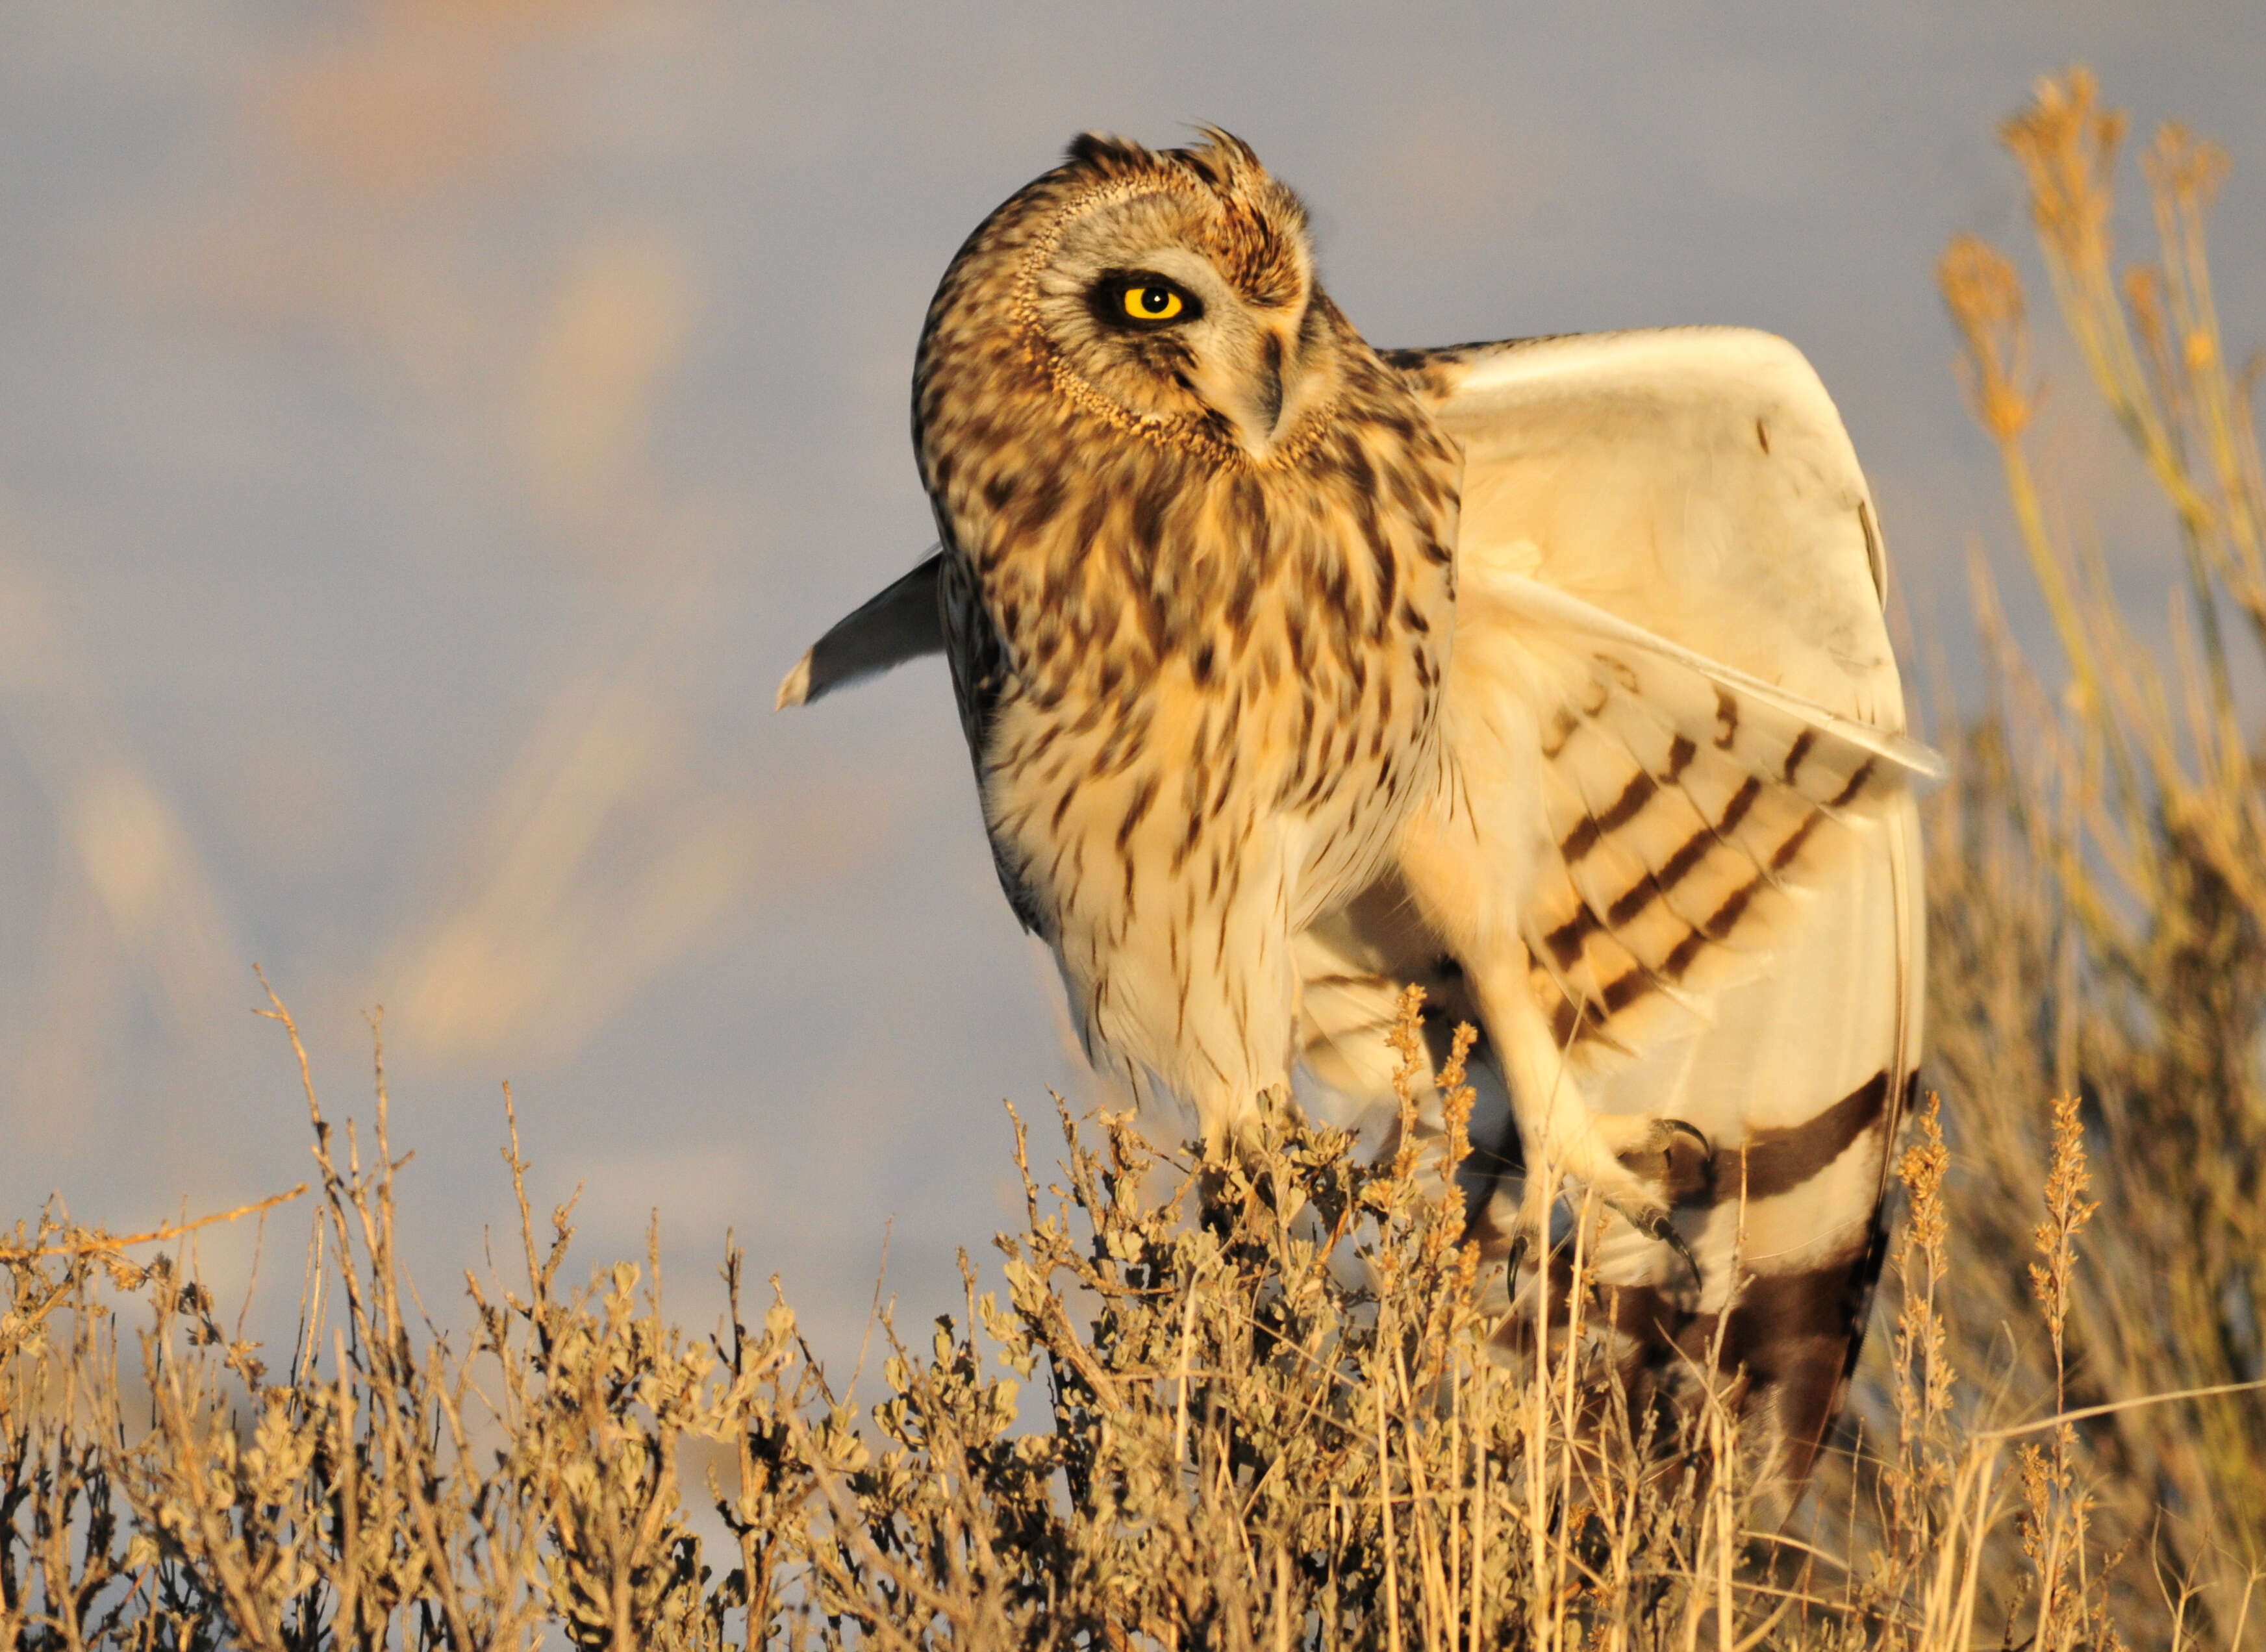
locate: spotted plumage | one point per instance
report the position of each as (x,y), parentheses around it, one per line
(1197,595)
(1551,675)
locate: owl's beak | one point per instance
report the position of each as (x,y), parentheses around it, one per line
(1248,385)
(1270,384)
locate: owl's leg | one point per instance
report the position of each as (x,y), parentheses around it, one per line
(1641,1164)
(1470,881)
(1236,1183)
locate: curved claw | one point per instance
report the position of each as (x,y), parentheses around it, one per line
(1680,1180)
(1663,1230)
(1656,1223)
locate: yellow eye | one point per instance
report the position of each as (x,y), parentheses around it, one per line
(1151,303)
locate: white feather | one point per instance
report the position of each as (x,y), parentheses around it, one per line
(1671,583)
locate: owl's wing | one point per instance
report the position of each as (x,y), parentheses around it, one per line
(899,623)
(1673,687)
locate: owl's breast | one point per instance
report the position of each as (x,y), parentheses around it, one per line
(1173,675)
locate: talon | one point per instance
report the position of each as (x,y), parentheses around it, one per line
(1684,1173)
(1644,1168)
(1662,1229)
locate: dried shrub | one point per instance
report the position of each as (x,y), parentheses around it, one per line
(2098,915)
(1272,1412)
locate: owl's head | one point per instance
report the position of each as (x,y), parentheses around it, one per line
(1172,291)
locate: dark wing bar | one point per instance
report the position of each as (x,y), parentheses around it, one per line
(898,624)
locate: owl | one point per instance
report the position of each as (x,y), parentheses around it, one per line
(1196,592)
(1549,674)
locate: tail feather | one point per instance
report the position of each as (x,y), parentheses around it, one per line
(897,624)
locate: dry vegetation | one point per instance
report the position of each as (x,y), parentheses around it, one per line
(1283,1430)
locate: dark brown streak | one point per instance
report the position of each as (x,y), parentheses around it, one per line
(1680,866)
(1315,982)
(1680,956)
(1578,842)
(1857,783)
(1625,808)
(1623,990)
(1780,1159)
(1565,941)
(1735,810)
(1727,719)
(1561,729)
(1133,812)
(1727,916)
(1639,895)
(1785,851)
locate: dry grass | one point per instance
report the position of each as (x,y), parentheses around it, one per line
(2099,882)
(1282,1429)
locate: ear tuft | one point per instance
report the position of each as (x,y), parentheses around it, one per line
(1223,159)
(1108,153)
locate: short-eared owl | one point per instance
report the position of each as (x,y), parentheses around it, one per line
(1550,674)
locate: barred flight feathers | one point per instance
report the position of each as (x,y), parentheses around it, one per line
(1674,728)
(1685,802)
(1549,674)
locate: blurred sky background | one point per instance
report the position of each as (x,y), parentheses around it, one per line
(429,429)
